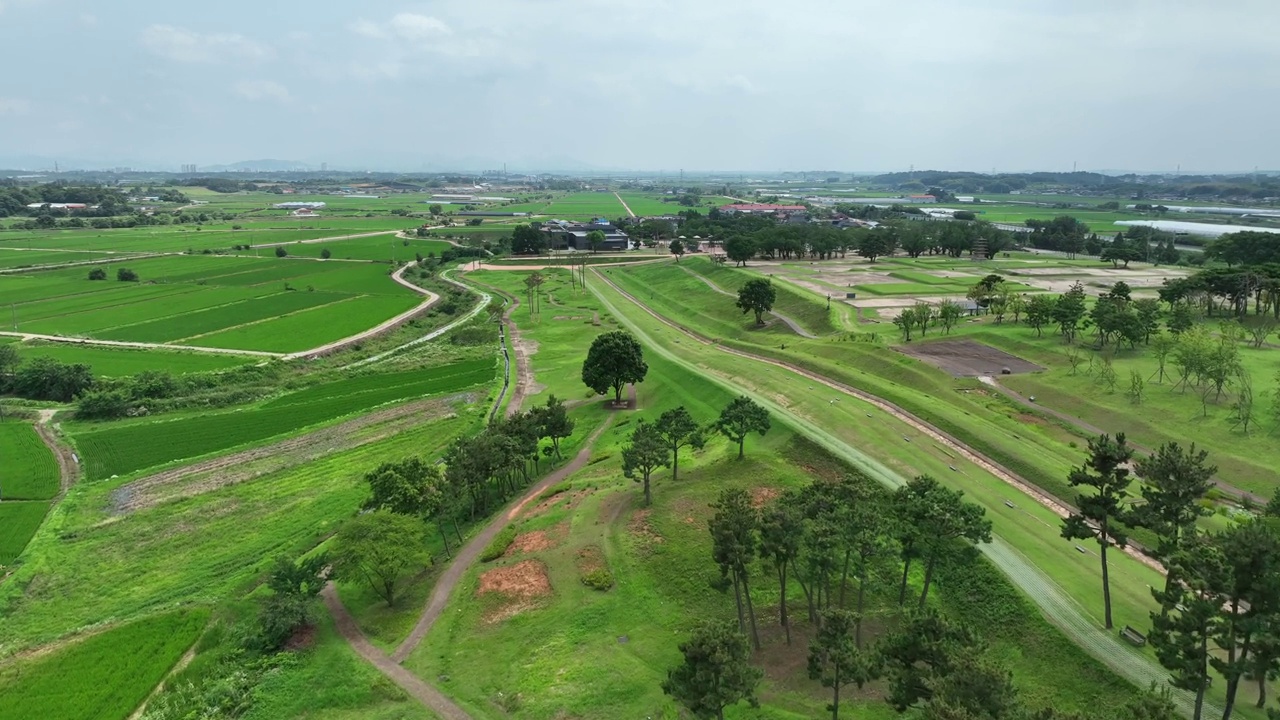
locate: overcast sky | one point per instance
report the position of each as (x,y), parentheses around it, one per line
(646,84)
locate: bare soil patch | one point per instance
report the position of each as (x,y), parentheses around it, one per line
(761,496)
(640,528)
(590,558)
(965,358)
(525,579)
(518,587)
(537,540)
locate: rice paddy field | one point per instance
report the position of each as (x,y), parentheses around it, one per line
(101,677)
(120,448)
(271,304)
(28,470)
(121,362)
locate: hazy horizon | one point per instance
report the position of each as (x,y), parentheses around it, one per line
(644,86)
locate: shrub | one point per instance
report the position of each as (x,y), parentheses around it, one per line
(126,275)
(598,579)
(97,274)
(281,252)
(103,404)
(326,253)
(499,545)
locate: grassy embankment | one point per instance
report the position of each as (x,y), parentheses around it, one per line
(593,654)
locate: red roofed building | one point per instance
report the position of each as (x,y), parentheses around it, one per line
(925,199)
(754,208)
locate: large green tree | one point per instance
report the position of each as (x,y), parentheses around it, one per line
(554,422)
(757,296)
(678,429)
(1177,480)
(781,531)
(835,659)
(1189,609)
(1101,507)
(646,452)
(614,360)
(918,653)
(942,518)
(740,418)
(715,672)
(734,542)
(379,549)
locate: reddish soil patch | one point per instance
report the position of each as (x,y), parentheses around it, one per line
(640,528)
(590,558)
(965,358)
(1031,419)
(525,579)
(570,500)
(761,496)
(537,540)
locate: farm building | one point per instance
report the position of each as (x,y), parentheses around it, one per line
(574,235)
(295,205)
(758,209)
(922,199)
(58,206)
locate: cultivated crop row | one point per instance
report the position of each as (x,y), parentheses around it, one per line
(28,470)
(125,449)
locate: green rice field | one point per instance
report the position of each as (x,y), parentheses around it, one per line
(271,304)
(19,520)
(119,449)
(28,470)
(103,677)
(121,362)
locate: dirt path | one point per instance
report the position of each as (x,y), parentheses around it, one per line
(795,327)
(139,345)
(625,206)
(314,241)
(937,435)
(480,265)
(524,371)
(481,304)
(994,383)
(466,556)
(433,699)
(181,665)
(68,464)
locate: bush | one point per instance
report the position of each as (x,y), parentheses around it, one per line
(598,579)
(103,404)
(281,252)
(499,545)
(97,274)
(126,275)
(326,254)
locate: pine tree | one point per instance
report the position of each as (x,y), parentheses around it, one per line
(1101,512)
(715,672)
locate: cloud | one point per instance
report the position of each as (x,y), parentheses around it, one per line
(262,90)
(409,27)
(182,45)
(14,106)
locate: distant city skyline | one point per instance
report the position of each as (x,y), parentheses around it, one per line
(581,86)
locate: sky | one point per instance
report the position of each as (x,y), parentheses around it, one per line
(849,85)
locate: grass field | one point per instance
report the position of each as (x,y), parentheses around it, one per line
(28,470)
(385,248)
(203,548)
(103,677)
(600,655)
(234,302)
(118,449)
(862,434)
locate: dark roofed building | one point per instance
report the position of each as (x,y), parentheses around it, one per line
(566,235)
